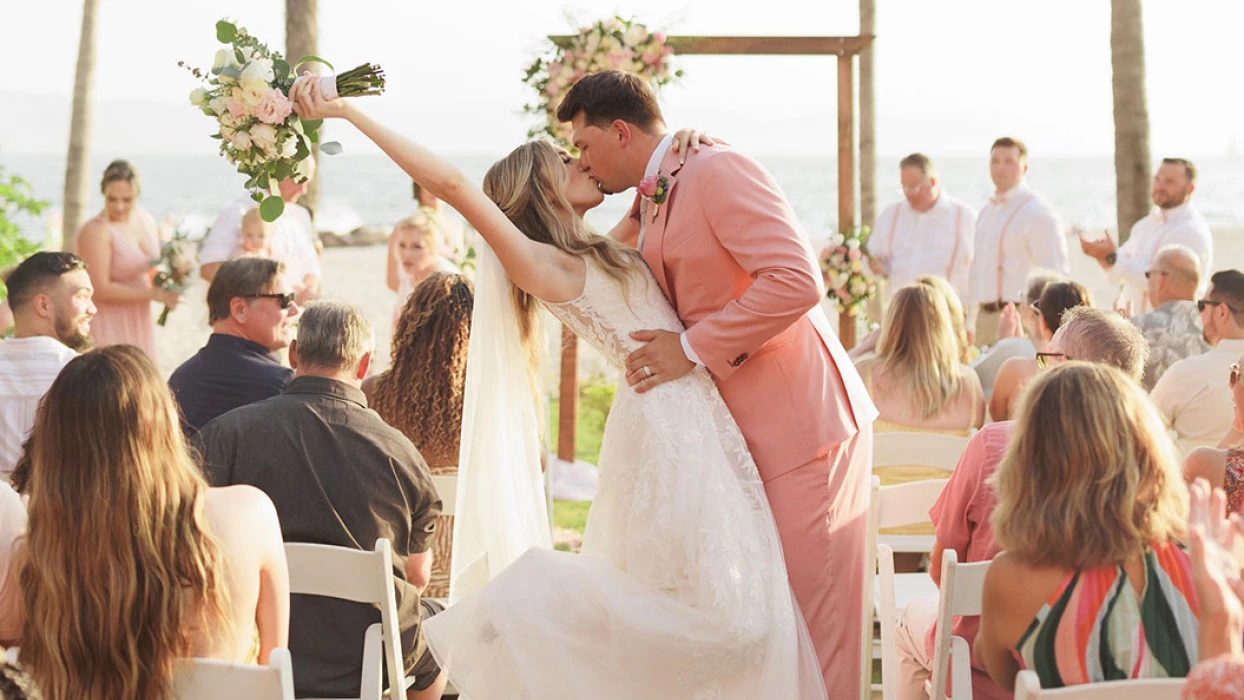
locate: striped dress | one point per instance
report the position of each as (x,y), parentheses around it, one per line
(1096,628)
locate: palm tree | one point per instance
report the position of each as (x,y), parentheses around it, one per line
(78,161)
(301,39)
(1131,114)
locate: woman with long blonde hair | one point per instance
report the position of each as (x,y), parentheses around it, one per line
(421,393)
(130,561)
(1092,585)
(681,589)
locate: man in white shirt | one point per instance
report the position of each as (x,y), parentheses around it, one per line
(1174,221)
(1016,232)
(1193,394)
(50,293)
(931,233)
(293,240)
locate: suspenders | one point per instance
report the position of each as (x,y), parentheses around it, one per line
(954,252)
(1002,239)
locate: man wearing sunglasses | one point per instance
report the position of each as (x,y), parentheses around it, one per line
(1193,395)
(251,309)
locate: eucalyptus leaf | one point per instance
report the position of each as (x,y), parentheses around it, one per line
(310,125)
(231,72)
(330,148)
(281,68)
(257,196)
(271,208)
(226,32)
(314,59)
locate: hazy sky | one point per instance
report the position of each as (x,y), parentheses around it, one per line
(951,76)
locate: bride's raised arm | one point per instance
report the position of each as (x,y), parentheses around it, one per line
(538,269)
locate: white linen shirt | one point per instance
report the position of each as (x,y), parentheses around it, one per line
(291,241)
(1034,240)
(28,366)
(1183,225)
(934,242)
(1193,396)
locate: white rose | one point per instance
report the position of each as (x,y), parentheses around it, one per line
(221,60)
(635,35)
(241,141)
(290,147)
(259,69)
(853,244)
(198,97)
(263,136)
(251,92)
(217,105)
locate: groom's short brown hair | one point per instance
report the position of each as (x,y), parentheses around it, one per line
(609,95)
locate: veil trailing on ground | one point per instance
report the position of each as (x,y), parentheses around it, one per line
(501,510)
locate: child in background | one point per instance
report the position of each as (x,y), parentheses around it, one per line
(415,248)
(255,238)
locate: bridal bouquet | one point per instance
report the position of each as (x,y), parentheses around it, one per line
(247,92)
(173,268)
(847,282)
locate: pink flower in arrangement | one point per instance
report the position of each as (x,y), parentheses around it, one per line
(237,110)
(551,88)
(649,58)
(825,253)
(843,294)
(648,186)
(658,37)
(854,254)
(555,69)
(668,50)
(273,108)
(842,250)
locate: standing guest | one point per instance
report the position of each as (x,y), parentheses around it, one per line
(339,476)
(1175,220)
(415,252)
(1193,395)
(449,224)
(1224,468)
(251,311)
(1173,327)
(931,233)
(119,246)
(131,562)
(421,393)
(1092,584)
(1018,334)
(961,516)
(1046,316)
(1016,233)
(50,294)
(292,240)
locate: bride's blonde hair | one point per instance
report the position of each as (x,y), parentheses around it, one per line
(529,186)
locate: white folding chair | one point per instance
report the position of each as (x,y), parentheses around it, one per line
(211,679)
(931,450)
(959,595)
(361,577)
(1028,687)
(893,506)
(447,490)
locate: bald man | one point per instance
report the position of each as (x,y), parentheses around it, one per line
(1173,329)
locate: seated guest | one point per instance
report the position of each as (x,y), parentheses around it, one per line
(961,515)
(1173,328)
(1224,468)
(1045,317)
(130,561)
(1192,394)
(916,379)
(50,294)
(339,476)
(1091,585)
(1017,332)
(250,307)
(958,317)
(421,392)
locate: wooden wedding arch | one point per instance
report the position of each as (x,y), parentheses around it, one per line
(845,48)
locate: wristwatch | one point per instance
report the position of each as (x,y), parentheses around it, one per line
(1112,258)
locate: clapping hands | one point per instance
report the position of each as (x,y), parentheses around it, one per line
(1215,571)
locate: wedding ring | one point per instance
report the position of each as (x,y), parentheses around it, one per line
(647,372)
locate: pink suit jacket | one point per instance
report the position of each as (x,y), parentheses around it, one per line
(730,255)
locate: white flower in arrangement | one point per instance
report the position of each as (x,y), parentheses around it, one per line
(264,138)
(635,35)
(198,97)
(853,244)
(218,105)
(858,287)
(593,42)
(221,60)
(250,92)
(289,147)
(258,70)
(241,141)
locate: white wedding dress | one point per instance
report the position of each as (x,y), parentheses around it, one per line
(680,590)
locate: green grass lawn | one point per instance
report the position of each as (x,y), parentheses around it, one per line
(595,398)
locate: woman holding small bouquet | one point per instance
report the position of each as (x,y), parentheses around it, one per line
(120,246)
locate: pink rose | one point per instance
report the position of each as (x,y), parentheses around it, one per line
(648,186)
(649,58)
(658,37)
(555,69)
(237,110)
(551,88)
(273,108)
(843,294)
(854,254)
(842,250)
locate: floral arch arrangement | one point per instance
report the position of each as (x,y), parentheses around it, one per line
(610,44)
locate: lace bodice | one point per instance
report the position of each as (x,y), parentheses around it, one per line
(607,311)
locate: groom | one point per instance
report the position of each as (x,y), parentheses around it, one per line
(731,257)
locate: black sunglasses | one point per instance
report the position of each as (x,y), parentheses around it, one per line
(286,300)
(1202,303)
(1043,358)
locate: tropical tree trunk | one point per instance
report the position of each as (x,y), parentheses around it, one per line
(301,39)
(868,119)
(1131,114)
(78,160)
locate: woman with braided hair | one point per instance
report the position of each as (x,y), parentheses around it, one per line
(421,392)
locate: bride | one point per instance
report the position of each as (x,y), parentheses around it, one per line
(681,590)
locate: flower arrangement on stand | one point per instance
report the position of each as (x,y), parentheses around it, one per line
(844,266)
(611,44)
(247,92)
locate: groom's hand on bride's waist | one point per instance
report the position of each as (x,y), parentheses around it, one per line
(660,360)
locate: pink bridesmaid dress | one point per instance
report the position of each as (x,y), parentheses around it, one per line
(127,322)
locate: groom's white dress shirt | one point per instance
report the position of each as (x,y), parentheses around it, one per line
(1182,225)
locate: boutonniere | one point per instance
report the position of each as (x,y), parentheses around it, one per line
(656,189)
